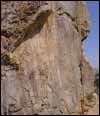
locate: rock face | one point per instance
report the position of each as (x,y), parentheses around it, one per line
(42,57)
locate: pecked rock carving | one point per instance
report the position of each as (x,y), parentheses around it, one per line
(44,70)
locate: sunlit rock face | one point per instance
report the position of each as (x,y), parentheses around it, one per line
(46,38)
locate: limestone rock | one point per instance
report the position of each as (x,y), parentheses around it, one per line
(46,39)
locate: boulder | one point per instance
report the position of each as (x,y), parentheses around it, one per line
(45,40)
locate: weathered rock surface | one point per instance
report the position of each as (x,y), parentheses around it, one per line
(46,39)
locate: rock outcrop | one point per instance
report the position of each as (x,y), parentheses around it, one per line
(43,67)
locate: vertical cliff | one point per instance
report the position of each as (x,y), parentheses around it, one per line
(42,57)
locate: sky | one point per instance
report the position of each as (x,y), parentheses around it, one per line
(91,44)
